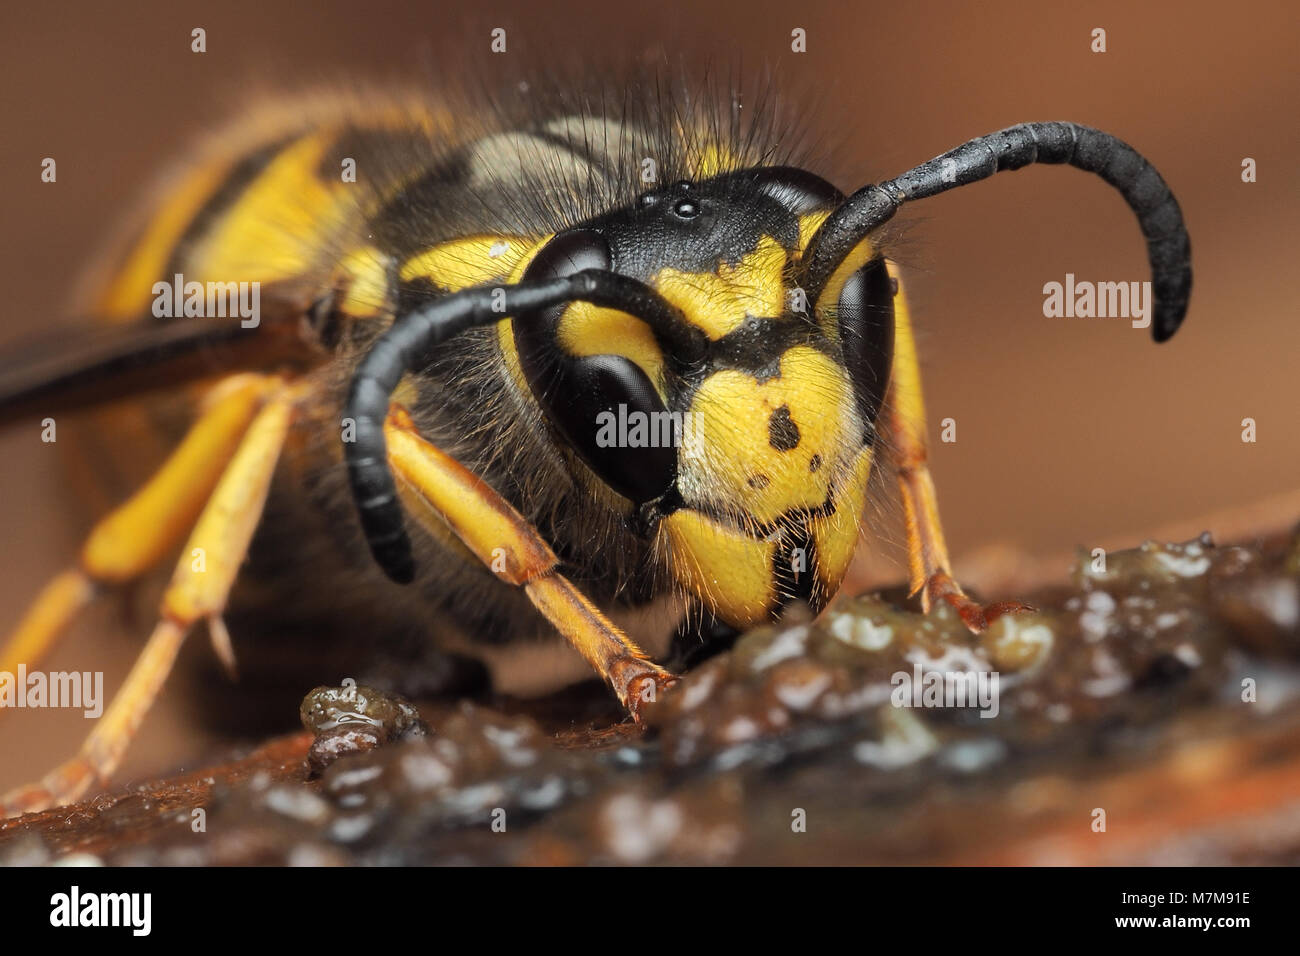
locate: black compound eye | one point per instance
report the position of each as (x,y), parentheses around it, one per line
(865,314)
(604,405)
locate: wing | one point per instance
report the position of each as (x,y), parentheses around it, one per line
(80,365)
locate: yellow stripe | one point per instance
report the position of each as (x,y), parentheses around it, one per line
(836,536)
(274,230)
(462,263)
(808,226)
(586,329)
(129,293)
(365,277)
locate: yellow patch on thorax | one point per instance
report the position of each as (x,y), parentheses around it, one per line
(718,302)
(274,230)
(462,263)
(365,278)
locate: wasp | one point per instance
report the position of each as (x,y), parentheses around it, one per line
(589,371)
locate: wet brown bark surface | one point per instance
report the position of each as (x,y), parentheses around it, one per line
(1154,696)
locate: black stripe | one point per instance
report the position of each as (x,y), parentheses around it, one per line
(240,177)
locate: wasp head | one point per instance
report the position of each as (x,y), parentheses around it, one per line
(736,416)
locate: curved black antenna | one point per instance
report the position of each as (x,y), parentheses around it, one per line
(410,343)
(1168,246)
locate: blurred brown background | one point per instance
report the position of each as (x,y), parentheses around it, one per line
(1070,432)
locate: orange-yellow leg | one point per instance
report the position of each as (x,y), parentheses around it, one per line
(903,423)
(139,534)
(439,490)
(198,591)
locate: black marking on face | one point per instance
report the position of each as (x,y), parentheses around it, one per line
(757,346)
(753,528)
(782,432)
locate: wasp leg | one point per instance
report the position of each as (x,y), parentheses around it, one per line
(139,533)
(198,590)
(503,540)
(903,421)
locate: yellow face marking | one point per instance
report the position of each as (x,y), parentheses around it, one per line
(726,568)
(736,420)
(462,263)
(830,297)
(586,329)
(365,276)
(505,330)
(835,536)
(808,226)
(718,302)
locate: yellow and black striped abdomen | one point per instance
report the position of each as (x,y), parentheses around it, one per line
(283,199)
